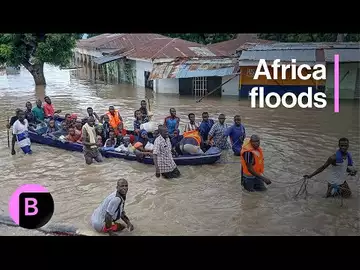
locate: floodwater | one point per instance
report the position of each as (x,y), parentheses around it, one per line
(207,200)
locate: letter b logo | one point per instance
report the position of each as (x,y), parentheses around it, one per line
(31,206)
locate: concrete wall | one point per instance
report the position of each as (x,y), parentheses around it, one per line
(141,67)
(232,87)
(347,85)
(166,86)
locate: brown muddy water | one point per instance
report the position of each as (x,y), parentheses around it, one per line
(207,200)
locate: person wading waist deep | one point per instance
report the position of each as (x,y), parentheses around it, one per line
(252,165)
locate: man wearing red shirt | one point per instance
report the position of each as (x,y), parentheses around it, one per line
(49,109)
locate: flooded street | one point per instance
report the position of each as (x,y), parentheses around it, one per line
(206,200)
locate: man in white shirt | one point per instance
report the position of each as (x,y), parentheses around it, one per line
(21,134)
(107,216)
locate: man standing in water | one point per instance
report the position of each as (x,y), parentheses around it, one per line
(252,165)
(341,163)
(162,155)
(89,140)
(216,133)
(21,135)
(237,135)
(111,210)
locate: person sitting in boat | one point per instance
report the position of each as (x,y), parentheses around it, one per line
(191,143)
(49,108)
(172,122)
(67,123)
(99,135)
(78,128)
(73,118)
(51,127)
(110,143)
(38,112)
(138,121)
(116,121)
(175,142)
(29,115)
(72,137)
(143,145)
(91,112)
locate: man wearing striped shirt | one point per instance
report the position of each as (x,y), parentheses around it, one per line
(192,125)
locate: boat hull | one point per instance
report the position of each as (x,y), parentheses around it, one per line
(77,147)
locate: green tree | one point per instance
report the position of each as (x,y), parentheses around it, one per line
(33,50)
(203,38)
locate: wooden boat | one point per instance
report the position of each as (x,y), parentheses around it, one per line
(213,156)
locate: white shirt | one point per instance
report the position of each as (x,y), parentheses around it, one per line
(21,132)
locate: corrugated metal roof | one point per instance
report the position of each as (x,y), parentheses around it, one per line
(194,68)
(254,63)
(304,46)
(284,55)
(230,47)
(106,59)
(345,55)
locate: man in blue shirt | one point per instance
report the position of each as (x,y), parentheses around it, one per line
(237,135)
(204,129)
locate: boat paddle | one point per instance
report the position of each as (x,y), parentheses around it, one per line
(8,132)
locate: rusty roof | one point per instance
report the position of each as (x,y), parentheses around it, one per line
(96,41)
(230,47)
(171,48)
(188,68)
(130,41)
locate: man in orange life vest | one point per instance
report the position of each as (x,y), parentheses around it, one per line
(116,121)
(191,142)
(252,165)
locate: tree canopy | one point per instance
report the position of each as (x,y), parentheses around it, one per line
(33,50)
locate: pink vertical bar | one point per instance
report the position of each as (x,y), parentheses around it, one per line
(336,83)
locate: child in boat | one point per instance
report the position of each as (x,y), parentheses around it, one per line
(175,142)
(72,136)
(78,128)
(99,138)
(112,141)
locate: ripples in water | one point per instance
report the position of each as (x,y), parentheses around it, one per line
(207,200)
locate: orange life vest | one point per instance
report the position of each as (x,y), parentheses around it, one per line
(193,134)
(115,121)
(258,158)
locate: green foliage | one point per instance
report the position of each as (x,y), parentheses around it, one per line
(307,37)
(203,38)
(17,49)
